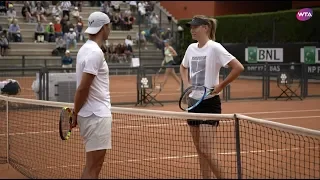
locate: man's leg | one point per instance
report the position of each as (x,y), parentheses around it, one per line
(94,162)
(96,132)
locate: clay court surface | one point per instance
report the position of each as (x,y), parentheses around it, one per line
(163,148)
(123,88)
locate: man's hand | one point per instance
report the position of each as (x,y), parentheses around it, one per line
(74,120)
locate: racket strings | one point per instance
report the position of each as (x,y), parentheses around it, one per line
(192,96)
(66,122)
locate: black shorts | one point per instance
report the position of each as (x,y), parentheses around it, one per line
(212,106)
(170,63)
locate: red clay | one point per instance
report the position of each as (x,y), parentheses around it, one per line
(168,141)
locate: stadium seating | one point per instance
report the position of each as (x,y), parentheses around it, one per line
(33,50)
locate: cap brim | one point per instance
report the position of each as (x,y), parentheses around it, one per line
(193,23)
(93,30)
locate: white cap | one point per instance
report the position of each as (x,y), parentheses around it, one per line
(95,22)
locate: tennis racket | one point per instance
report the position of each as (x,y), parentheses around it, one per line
(192,97)
(65,123)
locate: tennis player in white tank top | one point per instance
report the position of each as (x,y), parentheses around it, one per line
(204,60)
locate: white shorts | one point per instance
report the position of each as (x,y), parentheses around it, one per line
(96,132)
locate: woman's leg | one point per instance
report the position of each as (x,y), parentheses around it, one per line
(175,76)
(207,158)
(43,18)
(166,76)
(204,167)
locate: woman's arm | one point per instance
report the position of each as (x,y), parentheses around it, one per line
(173,52)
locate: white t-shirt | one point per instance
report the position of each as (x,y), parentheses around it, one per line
(205,63)
(90,59)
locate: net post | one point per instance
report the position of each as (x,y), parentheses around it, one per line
(238,150)
(7,119)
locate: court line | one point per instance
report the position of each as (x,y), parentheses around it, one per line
(294,117)
(276,112)
(182,157)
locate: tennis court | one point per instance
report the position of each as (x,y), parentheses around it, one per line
(123,88)
(146,146)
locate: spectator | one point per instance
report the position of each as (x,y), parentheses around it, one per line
(56,11)
(167,34)
(39,32)
(131,21)
(11,14)
(14,32)
(60,45)
(46,7)
(115,5)
(79,5)
(105,8)
(122,22)
(3,7)
(67,61)
(65,6)
(4,43)
(128,52)
(111,54)
(157,41)
(154,20)
(142,39)
(50,34)
(115,21)
(57,27)
(128,41)
(70,25)
(79,28)
(76,13)
(141,8)
(26,11)
(120,53)
(104,49)
(64,25)
(133,6)
(38,12)
(71,37)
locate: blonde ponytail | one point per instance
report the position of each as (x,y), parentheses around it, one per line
(213,28)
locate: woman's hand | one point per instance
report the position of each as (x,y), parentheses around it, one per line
(217,89)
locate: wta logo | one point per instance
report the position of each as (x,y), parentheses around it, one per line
(304,14)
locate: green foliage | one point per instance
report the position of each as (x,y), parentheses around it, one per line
(259,28)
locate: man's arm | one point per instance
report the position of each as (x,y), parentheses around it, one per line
(90,70)
(82,91)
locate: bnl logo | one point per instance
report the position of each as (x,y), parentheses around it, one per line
(304,14)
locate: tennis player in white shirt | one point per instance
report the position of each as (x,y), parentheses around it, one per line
(92,106)
(204,60)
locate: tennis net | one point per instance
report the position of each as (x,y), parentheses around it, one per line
(156,144)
